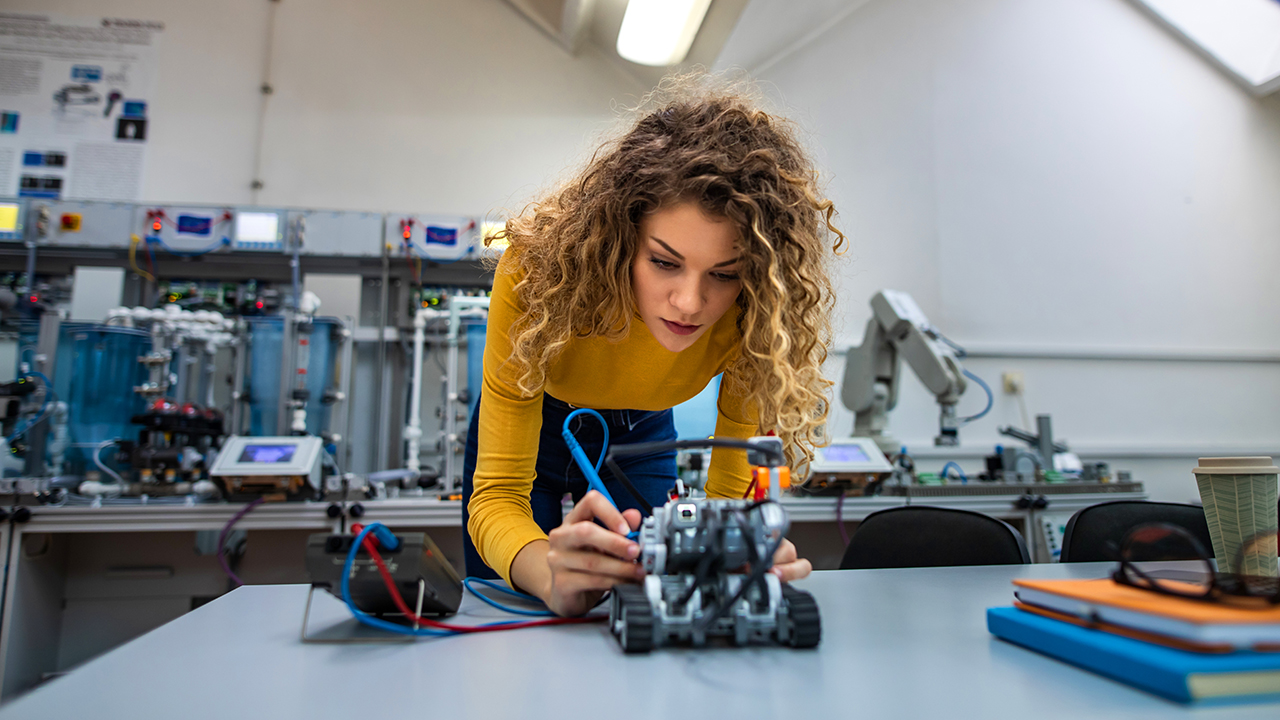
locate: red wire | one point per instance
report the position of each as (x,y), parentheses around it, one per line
(750,489)
(398,599)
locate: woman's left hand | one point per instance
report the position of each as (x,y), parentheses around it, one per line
(787,566)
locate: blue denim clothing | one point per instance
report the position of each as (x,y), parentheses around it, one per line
(558,475)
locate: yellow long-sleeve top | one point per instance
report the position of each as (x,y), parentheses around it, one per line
(635,373)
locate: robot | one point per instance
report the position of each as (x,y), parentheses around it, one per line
(690,549)
(898,330)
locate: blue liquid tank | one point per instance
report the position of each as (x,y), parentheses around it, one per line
(267,357)
(95,371)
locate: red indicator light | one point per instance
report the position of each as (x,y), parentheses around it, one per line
(155,226)
(259,304)
(35,298)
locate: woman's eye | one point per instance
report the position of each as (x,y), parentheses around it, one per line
(662,264)
(725,277)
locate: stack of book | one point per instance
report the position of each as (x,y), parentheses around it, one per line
(1185,650)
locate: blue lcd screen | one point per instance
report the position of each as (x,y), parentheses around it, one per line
(844,454)
(195,225)
(267,453)
(442,236)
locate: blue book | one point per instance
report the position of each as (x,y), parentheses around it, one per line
(1175,674)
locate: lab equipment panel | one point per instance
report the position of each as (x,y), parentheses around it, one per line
(438,238)
(338,234)
(184,229)
(86,223)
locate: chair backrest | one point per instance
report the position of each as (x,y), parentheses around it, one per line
(923,536)
(1094,533)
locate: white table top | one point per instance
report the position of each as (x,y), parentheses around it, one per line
(896,643)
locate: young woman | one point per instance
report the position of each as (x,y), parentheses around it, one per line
(695,244)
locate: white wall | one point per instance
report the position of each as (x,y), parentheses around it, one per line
(1057,184)
(395,105)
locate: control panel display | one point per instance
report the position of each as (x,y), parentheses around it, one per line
(845,454)
(267,453)
(257,227)
(8,217)
(195,225)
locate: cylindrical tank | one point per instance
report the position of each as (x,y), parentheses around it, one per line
(95,371)
(267,356)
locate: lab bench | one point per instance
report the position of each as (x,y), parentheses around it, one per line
(81,580)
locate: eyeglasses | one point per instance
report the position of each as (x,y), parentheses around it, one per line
(1251,582)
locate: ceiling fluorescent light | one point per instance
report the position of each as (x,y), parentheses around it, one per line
(1240,36)
(659,32)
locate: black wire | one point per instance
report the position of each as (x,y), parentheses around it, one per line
(656,447)
(703,568)
(757,573)
(699,578)
(646,508)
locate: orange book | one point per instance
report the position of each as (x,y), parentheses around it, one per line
(1107,603)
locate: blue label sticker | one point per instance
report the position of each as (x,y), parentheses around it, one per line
(86,73)
(195,225)
(134,109)
(9,122)
(442,236)
(33,159)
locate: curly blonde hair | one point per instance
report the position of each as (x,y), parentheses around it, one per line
(697,139)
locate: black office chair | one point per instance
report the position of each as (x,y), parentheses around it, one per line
(922,536)
(1094,533)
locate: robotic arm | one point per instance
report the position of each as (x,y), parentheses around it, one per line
(898,330)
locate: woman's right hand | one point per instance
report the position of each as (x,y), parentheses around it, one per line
(586,560)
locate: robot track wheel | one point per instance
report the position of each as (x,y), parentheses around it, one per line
(632,618)
(806,624)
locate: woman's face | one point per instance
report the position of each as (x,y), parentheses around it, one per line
(685,276)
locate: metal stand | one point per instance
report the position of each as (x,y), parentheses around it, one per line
(352,630)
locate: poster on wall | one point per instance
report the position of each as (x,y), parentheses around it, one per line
(75,105)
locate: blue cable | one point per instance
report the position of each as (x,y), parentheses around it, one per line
(592,473)
(573,443)
(991,398)
(186,253)
(502,589)
(361,616)
(466,582)
(964,479)
(439,261)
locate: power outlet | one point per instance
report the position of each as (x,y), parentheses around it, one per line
(1014,383)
